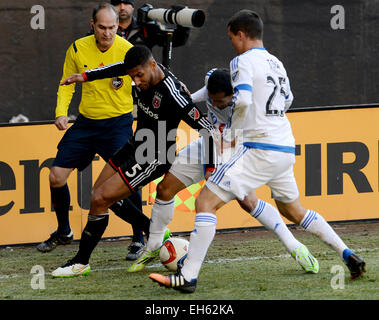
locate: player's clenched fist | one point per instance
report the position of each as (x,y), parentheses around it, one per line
(61,122)
(76,77)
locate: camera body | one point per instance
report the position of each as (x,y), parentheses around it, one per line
(169,28)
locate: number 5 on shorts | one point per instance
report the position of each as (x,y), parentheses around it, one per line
(134,170)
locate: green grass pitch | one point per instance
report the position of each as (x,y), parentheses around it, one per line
(250,265)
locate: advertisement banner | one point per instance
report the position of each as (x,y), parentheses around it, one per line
(336,170)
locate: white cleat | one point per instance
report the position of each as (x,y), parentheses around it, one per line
(71,269)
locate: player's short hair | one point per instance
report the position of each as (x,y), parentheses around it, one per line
(138,55)
(248,22)
(219,81)
(104,5)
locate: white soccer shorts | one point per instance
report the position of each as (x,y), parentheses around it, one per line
(188,165)
(248,169)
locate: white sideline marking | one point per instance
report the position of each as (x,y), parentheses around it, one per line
(223,260)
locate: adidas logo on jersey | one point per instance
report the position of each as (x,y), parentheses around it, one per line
(147,110)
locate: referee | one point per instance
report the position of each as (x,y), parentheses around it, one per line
(103,126)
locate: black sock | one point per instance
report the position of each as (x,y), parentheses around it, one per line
(60,198)
(91,236)
(130,210)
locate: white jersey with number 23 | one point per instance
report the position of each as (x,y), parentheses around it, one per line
(262,95)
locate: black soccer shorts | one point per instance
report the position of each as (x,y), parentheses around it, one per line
(136,174)
(86,137)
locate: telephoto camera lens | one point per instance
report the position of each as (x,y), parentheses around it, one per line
(186,17)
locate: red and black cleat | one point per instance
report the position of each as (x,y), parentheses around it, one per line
(175,281)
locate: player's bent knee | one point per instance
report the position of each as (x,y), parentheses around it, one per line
(199,204)
(98,200)
(56,179)
(248,204)
(292,211)
(203,204)
(165,192)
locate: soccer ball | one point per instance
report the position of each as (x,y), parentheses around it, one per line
(172,250)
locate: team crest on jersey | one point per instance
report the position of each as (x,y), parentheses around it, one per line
(117,83)
(194,114)
(235,76)
(157,100)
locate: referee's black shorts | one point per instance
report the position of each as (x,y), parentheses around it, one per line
(136,174)
(88,137)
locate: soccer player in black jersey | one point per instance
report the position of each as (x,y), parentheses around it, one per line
(162,104)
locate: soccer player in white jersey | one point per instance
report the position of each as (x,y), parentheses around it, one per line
(187,169)
(266,154)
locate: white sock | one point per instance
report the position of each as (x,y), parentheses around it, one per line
(270,218)
(316,224)
(200,240)
(161,215)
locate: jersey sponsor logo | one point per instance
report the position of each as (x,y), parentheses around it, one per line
(157,100)
(194,113)
(117,83)
(147,110)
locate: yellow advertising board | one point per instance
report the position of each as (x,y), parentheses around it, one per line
(337,172)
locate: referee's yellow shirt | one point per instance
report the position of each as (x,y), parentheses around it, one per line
(101,99)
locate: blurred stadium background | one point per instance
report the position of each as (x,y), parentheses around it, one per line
(326,66)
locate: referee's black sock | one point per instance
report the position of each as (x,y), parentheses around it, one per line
(60,198)
(128,210)
(91,236)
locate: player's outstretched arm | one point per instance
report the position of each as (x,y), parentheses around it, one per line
(108,71)
(76,77)
(185,88)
